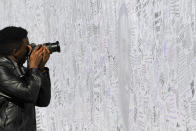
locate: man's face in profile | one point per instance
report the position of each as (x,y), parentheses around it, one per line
(22,51)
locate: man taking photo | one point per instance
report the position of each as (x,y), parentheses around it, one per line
(21,88)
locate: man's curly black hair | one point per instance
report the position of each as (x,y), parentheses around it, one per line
(11,38)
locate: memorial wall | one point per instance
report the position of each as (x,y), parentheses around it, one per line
(124,65)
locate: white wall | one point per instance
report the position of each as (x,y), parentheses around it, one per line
(125,65)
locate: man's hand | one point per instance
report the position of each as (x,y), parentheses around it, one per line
(35,57)
(45,57)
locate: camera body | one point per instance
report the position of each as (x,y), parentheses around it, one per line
(53,47)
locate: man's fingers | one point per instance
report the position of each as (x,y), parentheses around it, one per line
(37,47)
(44,53)
(40,50)
(29,47)
(48,51)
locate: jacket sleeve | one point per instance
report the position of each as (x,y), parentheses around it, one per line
(45,90)
(17,89)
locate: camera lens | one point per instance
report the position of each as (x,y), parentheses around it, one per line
(53,47)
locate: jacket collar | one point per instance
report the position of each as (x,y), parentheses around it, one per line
(4,60)
(8,62)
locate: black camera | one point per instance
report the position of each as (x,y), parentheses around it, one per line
(53,47)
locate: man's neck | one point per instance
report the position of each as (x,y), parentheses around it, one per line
(13,58)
